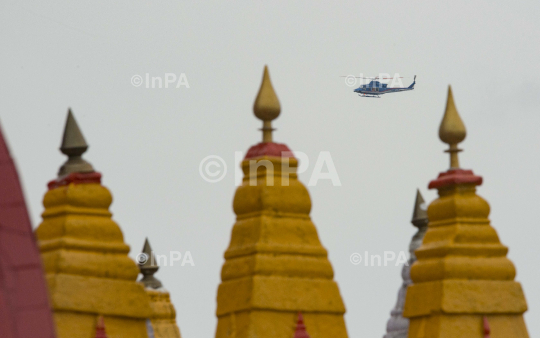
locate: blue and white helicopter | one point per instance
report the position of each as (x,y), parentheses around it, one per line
(376,88)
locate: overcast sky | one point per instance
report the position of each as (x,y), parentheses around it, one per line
(148,143)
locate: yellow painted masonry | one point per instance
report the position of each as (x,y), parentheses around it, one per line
(275,265)
(163,318)
(462,273)
(87,266)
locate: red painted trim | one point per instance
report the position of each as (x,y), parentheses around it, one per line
(75,178)
(300,331)
(487,329)
(269,149)
(455,177)
(100,328)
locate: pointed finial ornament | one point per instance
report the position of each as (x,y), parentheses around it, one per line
(300,331)
(148,266)
(452,130)
(73,145)
(266,106)
(420,216)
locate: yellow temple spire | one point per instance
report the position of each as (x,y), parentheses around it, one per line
(452,130)
(86,261)
(266,106)
(462,278)
(275,265)
(162,321)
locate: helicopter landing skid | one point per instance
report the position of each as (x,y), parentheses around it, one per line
(373,96)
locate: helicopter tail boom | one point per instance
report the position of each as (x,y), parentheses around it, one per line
(412,85)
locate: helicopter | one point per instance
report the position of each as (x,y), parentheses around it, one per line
(376,88)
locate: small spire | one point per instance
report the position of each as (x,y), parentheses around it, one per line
(420,211)
(300,331)
(73,145)
(148,266)
(100,328)
(452,130)
(266,106)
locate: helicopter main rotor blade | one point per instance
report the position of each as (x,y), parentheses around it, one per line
(375,78)
(358,77)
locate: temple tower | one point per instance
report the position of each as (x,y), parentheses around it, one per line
(24,308)
(397,326)
(86,261)
(162,321)
(462,274)
(275,265)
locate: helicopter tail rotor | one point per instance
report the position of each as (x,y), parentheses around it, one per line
(412,85)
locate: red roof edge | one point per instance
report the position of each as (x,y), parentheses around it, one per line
(269,149)
(455,177)
(75,178)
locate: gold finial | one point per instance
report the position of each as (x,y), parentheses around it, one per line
(148,266)
(73,145)
(266,106)
(452,130)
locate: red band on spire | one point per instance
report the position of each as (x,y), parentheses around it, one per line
(455,177)
(269,149)
(75,178)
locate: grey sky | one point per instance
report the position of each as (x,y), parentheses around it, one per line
(148,142)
